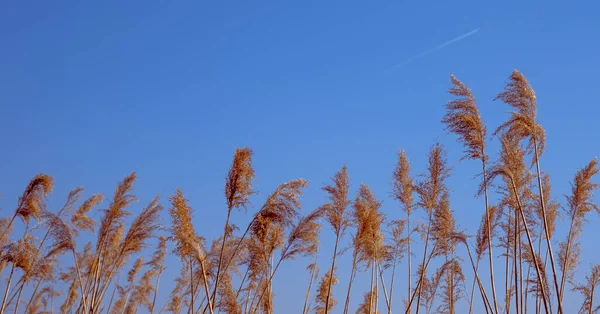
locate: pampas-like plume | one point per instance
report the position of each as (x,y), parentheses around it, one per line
(451,286)
(188,245)
(32,202)
(517,178)
(402,185)
(463,119)
(304,237)
(280,209)
(522,122)
(395,250)
(430,188)
(21,255)
(523,125)
(432,185)
(369,220)
(323,302)
(80,221)
(580,204)
(182,228)
(142,228)
(443,227)
(367,306)
(156,268)
(588,289)
(5,228)
(238,187)
(113,216)
(338,217)
(303,240)
(368,241)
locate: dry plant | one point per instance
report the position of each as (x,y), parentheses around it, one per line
(402,184)
(338,217)
(234,272)
(522,125)
(238,187)
(579,205)
(463,118)
(323,302)
(430,189)
(587,290)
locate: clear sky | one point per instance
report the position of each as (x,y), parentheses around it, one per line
(91,91)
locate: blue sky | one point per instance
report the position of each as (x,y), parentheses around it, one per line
(92,91)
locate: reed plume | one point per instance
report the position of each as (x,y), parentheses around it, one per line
(367,307)
(430,188)
(402,187)
(580,204)
(592,281)
(21,256)
(302,240)
(80,221)
(32,202)
(395,252)
(156,265)
(323,302)
(313,269)
(463,119)
(238,187)
(523,125)
(511,167)
(188,246)
(337,216)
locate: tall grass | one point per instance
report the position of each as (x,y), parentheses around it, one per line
(235,272)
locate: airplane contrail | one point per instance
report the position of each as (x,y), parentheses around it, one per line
(441,46)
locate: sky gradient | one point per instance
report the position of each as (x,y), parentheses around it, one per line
(90,92)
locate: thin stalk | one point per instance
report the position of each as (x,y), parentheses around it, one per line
(391,286)
(566,259)
(37,286)
(515,266)
(409,264)
(537,268)
(520,267)
(376,290)
(18,299)
(385,294)
(412,298)
(424,270)
(237,294)
(541,191)
(192,284)
(221,256)
(352,274)
(592,300)
(371,288)
(312,276)
(237,247)
(12,271)
(475,268)
(112,296)
(156,287)
(337,239)
(486,301)
(487,217)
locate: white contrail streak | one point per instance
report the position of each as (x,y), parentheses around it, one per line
(441,46)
